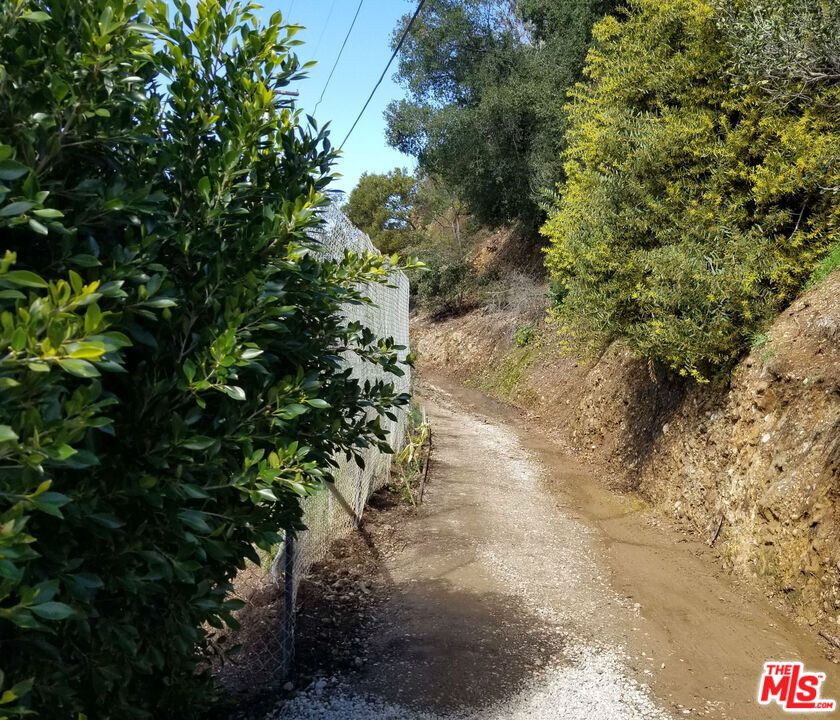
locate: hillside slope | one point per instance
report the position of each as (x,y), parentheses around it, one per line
(751,466)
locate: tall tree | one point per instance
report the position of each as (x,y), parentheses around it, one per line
(382,205)
(487,82)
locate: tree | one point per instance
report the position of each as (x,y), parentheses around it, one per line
(453,59)
(692,211)
(169,389)
(437,207)
(487,83)
(561,32)
(382,205)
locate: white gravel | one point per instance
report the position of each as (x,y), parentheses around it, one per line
(593,686)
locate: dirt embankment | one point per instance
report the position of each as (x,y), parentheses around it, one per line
(752,466)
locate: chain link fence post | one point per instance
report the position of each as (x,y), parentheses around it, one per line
(289,589)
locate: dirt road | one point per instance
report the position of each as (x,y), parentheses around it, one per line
(522,588)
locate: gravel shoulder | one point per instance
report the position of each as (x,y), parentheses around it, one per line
(522,588)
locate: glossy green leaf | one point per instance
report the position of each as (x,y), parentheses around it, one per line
(16,208)
(52,610)
(7,434)
(24,278)
(18,342)
(234,391)
(37,227)
(48,213)
(195,520)
(36,16)
(79,368)
(108,520)
(199,443)
(11,170)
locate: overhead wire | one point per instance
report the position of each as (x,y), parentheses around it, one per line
(382,76)
(335,64)
(324,29)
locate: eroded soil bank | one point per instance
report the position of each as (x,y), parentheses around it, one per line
(523,588)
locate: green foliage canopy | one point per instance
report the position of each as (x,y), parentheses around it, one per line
(693,210)
(382,205)
(418,216)
(170,384)
(487,82)
(789,48)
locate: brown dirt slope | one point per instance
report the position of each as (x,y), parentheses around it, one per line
(754,463)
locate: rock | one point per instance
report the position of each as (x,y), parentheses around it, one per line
(288,686)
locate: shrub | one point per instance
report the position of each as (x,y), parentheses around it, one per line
(789,47)
(693,209)
(445,286)
(759,340)
(169,378)
(523,335)
(556,293)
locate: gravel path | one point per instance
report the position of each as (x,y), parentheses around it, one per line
(499,608)
(523,588)
(593,685)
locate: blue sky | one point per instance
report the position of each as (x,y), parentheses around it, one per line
(364,58)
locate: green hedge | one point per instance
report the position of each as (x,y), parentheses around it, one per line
(696,205)
(170,375)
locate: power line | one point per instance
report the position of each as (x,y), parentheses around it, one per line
(382,76)
(291,5)
(335,64)
(324,29)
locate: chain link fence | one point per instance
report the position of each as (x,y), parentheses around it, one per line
(268,620)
